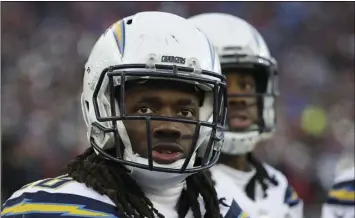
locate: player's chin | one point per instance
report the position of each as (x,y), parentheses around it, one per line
(245,127)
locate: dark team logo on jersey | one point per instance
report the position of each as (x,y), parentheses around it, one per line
(173,59)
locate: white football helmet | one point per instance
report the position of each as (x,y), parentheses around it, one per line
(239,45)
(152,45)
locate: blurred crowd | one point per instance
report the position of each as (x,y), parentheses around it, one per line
(45,45)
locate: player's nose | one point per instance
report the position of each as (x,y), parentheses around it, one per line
(167,130)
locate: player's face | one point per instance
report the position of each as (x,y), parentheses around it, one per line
(170,140)
(242,111)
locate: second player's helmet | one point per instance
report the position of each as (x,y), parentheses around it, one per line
(239,45)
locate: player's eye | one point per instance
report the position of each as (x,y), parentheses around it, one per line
(186,113)
(145,110)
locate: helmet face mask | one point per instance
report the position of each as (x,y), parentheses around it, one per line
(265,75)
(116,77)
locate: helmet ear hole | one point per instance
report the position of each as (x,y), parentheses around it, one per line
(85,109)
(87,105)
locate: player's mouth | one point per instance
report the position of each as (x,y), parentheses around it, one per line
(167,153)
(240,121)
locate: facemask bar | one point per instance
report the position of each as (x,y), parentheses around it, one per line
(270,92)
(170,71)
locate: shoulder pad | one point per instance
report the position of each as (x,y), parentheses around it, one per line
(58,197)
(276,175)
(291,197)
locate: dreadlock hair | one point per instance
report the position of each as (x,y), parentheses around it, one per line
(260,176)
(112,179)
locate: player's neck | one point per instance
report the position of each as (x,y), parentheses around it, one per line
(158,181)
(239,162)
(162,189)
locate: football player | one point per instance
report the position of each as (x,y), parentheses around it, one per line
(251,74)
(341,197)
(154,102)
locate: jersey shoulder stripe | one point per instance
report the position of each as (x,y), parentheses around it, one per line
(57,197)
(291,197)
(61,205)
(342,193)
(235,211)
(62,185)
